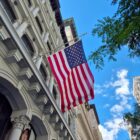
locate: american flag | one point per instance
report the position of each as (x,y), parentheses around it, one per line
(72,73)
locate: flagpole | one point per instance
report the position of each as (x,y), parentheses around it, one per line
(73,40)
(61,46)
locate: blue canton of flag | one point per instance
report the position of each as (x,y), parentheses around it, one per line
(75,54)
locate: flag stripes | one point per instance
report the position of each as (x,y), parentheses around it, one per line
(75,84)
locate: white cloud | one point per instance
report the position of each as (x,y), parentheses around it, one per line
(98,89)
(114,124)
(111,128)
(107,135)
(122,73)
(122,84)
(123,104)
(117,109)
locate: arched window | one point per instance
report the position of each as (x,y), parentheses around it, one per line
(39,25)
(43,72)
(6,5)
(28,44)
(5,113)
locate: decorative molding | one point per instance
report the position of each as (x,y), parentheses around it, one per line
(25,73)
(41,100)
(59,126)
(35,11)
(48,109)
(13,56)
(54,118)
(34,88)
(20,122)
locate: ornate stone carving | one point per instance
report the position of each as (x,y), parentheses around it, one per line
(20,122)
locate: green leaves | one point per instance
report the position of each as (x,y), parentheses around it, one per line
(133,118)
(121,29)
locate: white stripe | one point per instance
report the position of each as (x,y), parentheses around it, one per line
(59,77)
(66,61)
(83,80)
(73,89)
(78,84)
(55,68)
(89,96)
(88,76)
(65,75)
(61,65)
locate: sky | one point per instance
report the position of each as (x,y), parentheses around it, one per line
(114,83)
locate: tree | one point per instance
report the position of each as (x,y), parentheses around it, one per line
(121,29)
(134,120)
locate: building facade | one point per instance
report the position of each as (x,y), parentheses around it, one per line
(136,88)
(133,128)
(30,30)
(87,123)
(84,117)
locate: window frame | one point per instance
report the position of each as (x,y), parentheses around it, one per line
(30,49)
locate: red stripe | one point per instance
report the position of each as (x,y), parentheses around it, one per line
(91,76)
(64,79)
(63,62)
(72,95)
(68,74)
(81,84)
(87,82)
(58,81)
(58,67)
(76,88)
(52,68)
(89,71)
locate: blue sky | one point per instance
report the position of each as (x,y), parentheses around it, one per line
(113,84)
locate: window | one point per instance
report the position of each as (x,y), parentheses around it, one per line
(39,25)
(43,72)
(54,93)
(48,44)
(9,10)
(29,3)
(5,113)
(28,44)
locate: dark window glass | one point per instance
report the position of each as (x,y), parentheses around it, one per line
(28,44)
(5,113)
(54,93)
(43,72)
(39,25)
(48,44)
(29,3)
(9,10)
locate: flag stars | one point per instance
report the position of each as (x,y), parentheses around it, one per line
(75,55)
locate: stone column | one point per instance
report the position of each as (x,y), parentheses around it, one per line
(18,126)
